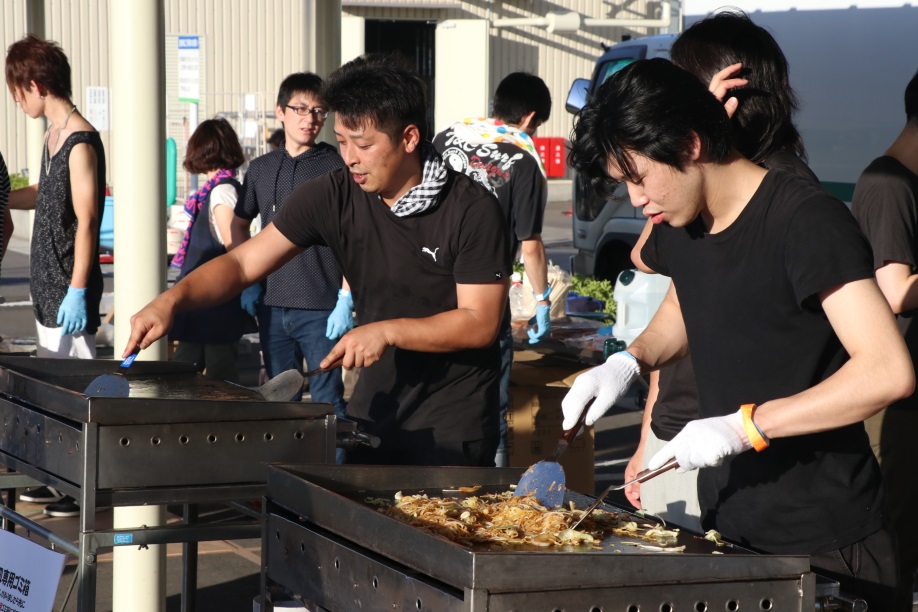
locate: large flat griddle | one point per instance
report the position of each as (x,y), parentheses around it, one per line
(333,499)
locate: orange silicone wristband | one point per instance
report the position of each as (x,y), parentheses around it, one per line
(759,441)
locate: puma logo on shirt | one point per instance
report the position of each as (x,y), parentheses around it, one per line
(431,253)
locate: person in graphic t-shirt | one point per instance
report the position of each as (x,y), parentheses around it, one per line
(885,203)
(425,249)
(499,153)
(792,342)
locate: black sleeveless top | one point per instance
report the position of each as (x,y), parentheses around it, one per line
(54,235)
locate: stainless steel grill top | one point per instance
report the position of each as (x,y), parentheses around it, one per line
(332,497)
(160,392)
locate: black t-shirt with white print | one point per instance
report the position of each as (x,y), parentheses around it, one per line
(311,279)
(408,267)
(509,172)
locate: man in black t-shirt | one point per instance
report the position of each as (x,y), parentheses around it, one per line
(500,155)
(425,250)
(792,342)
(885,203)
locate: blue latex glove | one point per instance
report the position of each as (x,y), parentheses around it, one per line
(71,316)
(251,298)
(341,320)
(542,321)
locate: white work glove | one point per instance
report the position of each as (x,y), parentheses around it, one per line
(606,382)
(704,443)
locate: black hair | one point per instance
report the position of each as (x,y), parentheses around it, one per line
(763,122)
(381,90)
(299,82)
(278,138)
(911,99)
(651,108)
(519,94)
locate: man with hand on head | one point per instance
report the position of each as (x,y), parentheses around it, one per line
(792,342)
(424,248)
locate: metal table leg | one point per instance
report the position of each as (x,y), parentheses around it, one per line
(189,562)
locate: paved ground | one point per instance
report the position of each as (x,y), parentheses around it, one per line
(228,573)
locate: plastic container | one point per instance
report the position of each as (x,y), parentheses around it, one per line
(107,229)
(637,297)
(517,298)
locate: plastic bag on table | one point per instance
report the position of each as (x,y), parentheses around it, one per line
(560,281)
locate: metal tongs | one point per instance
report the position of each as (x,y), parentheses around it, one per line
(641,477)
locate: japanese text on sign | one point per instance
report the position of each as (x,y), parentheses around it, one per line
(29,574)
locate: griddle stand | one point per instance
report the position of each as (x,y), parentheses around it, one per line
(154,449)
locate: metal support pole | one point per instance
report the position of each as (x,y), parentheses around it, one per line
(137,37)
(189,562)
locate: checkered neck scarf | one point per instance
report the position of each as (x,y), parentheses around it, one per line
(426,195)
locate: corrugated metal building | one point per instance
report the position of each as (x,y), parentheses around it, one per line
(463,48)
(466,47)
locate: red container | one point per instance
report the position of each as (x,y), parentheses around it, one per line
(552,152)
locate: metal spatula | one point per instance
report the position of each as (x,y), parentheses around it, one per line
(545,480)
(112,385)
(642,476)
(285,386)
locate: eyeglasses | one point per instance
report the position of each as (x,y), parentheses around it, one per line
(302,111)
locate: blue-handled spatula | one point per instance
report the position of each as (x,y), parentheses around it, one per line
(112,385)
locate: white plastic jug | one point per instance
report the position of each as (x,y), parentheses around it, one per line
(637,298)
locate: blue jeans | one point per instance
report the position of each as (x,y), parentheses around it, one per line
(288,335)
(505,337)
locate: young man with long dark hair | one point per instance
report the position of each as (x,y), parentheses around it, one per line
(773,294)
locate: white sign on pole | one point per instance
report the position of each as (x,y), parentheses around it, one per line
(29,574)
(189,69)
(97,107)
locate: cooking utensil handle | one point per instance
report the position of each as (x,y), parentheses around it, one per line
(648,474)
(130,359)
(569,435)
(593,506)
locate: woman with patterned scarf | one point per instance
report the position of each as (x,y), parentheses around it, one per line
(210,337)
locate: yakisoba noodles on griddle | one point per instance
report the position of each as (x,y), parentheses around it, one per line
(502,518)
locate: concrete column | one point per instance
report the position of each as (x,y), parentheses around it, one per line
(322,36)
(35,128)
(138,139)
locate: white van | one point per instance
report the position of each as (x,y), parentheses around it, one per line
(849,68)
(606,231)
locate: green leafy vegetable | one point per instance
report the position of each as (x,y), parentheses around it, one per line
(596,289)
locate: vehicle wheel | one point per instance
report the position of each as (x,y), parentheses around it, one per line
(614,257)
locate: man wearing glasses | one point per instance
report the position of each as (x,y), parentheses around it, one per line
(301,307)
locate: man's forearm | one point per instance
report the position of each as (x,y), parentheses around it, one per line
(664,341)
(23,198)
(83,254)
(454,330)
(239,232)
(536,264)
